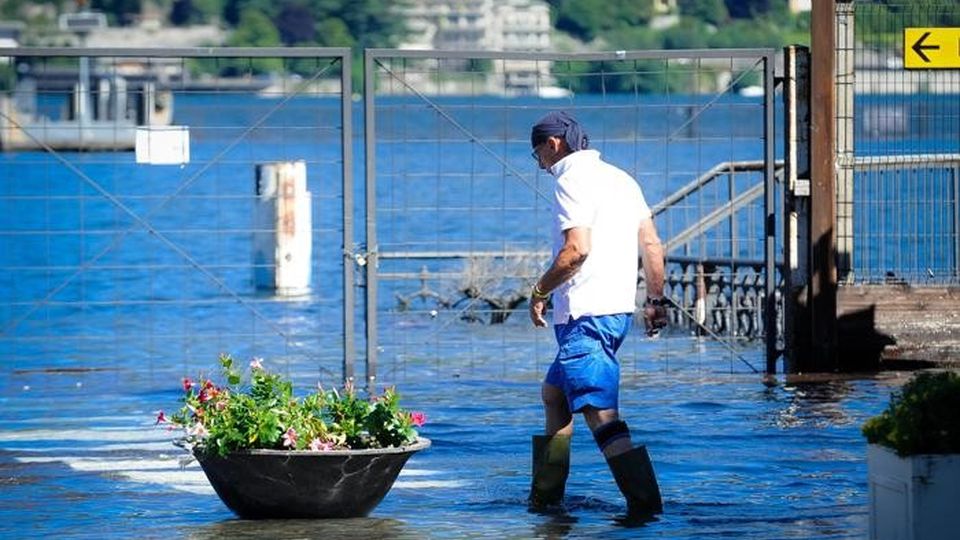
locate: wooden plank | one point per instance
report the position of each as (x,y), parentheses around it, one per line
(899,322)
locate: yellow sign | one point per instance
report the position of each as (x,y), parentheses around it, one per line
(931,48)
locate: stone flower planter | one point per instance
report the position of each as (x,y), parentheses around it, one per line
(913,461)
(262,484)
(913,497)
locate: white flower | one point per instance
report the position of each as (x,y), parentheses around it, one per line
(290,438)
(319,446)
(198,430)
(256,363)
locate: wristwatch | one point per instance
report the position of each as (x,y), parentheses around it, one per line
(656,301)
(538,294)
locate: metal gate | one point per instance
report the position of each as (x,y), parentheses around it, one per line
(458,215)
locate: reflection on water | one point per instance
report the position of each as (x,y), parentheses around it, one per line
(815,403)
(345,529)
(555,527)
(735,458)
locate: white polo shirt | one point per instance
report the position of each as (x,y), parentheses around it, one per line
(594,194)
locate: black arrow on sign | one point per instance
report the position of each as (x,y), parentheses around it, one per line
(919,47)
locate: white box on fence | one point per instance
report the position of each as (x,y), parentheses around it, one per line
(163,145)
(283,241)
(913,498)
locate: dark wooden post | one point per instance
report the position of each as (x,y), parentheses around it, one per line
(823,282)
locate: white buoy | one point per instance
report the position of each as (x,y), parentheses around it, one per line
(283,241)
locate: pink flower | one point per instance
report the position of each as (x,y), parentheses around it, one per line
(187,384)
(209,392)
(256,363)
(418,418)
(161,418)
(290,438)
(198,431)
(320,446)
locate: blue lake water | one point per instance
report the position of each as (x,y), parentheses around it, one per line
(84,372)
(79,457)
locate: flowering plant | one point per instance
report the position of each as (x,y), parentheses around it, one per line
(265,414)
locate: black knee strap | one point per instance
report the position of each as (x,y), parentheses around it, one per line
(610,432)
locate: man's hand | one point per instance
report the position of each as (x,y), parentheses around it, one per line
(655,315)
(538,310)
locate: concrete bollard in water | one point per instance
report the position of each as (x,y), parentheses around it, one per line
(283,241)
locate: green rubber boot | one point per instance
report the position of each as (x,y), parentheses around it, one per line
(635,477)
(551,465)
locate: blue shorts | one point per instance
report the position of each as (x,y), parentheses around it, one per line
(586,368)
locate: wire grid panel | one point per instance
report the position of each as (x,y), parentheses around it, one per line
(113,264)
(906,211)
(462,214)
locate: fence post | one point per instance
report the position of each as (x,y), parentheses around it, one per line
(845,150)
(796,206)
(370,193)
(956,221)
(769,220)
(283,245)
(346,138)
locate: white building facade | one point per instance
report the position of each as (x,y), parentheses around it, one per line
(486,25)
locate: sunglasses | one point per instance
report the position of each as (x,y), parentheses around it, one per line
(534,154)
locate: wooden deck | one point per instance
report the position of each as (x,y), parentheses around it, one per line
(908,325)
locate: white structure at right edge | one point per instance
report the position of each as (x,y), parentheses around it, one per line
(283,241)
(913,497)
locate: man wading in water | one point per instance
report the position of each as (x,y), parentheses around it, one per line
(601,225)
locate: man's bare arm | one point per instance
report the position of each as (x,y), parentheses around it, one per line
(651,250)
(575,250)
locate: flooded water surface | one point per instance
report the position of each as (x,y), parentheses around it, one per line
(80,457)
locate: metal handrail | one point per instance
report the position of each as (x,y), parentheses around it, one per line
(718,170)
(723,212)
(906,161)
(755,192)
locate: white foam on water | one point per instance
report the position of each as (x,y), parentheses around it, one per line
(424,484)
(92,434)
(132,446)
(166,472)
(111,465)
(418,472)
(191,481)
(86,420)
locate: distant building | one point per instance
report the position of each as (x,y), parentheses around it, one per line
(797,6)
(486,25)
(149,33)
(461,25)
(10,32)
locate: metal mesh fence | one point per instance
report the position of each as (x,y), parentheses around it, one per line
(112,261)
(462,214)
(906,173)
